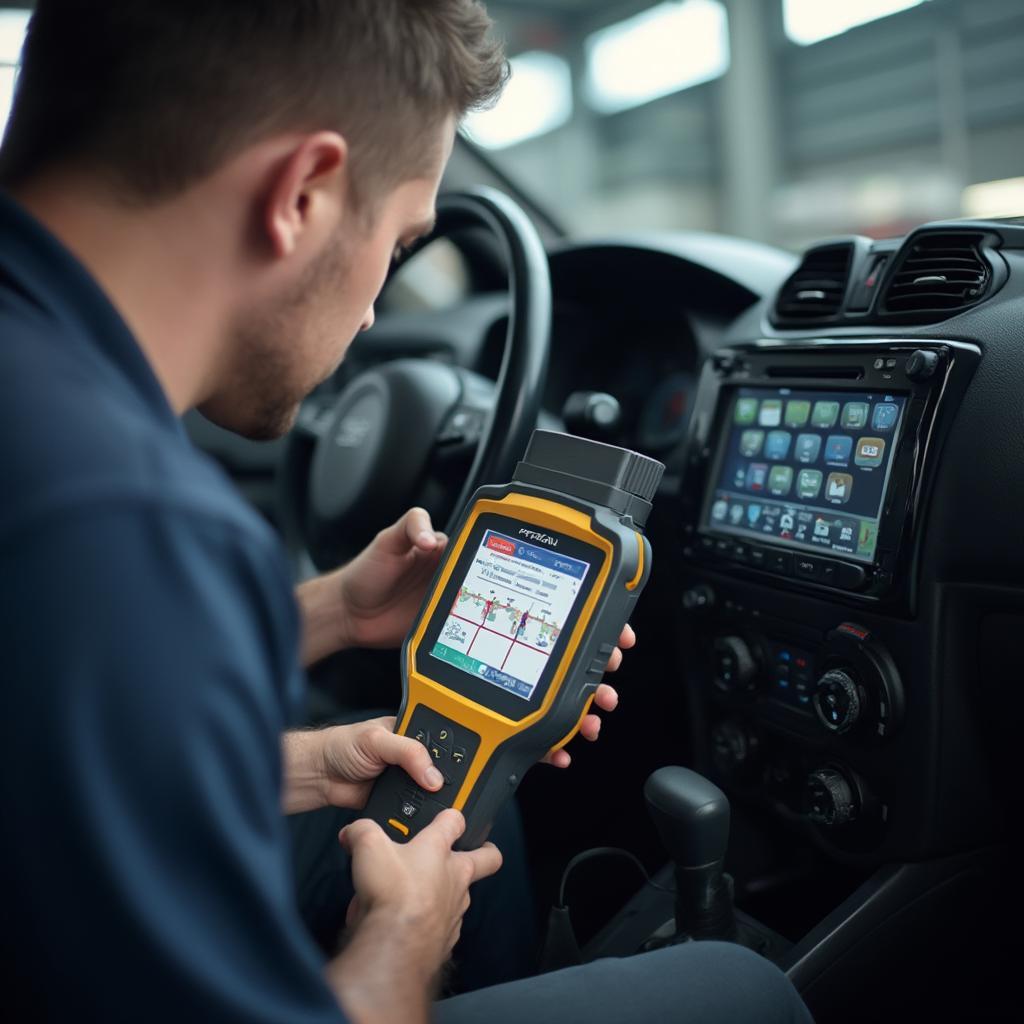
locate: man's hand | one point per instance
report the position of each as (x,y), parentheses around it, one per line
(605,697)
(338,765)
(372,601)
(406,916)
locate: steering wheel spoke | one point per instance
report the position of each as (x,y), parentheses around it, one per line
(314,418)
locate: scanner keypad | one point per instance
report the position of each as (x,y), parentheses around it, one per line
(452,747)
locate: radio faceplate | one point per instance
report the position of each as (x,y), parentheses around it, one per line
(811,461)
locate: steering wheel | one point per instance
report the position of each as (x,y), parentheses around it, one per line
(418,432)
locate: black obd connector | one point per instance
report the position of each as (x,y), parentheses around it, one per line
(623,481)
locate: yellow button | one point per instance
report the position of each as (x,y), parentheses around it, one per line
(398,826)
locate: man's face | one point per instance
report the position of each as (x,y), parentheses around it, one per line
(297,340)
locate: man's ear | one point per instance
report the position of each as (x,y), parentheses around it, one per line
(306,187)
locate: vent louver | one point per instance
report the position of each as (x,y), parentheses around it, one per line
(938,275)
(815,290)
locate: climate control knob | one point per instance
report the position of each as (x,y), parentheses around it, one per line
(838,701)
(735,666)
(830,798)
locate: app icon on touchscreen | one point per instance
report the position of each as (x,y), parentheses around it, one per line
(719,510)
(771,413)
(808,483)
(753,514)
(838,448)
(866,539)
(885,416)
(825,414)
(776,447)
(839,488)
(855,415)
(808,448)
(780,481)
(757,476)
(797,413)
(870,452)
(746,410)
(750,443)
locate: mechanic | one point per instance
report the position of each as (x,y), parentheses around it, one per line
(201,203)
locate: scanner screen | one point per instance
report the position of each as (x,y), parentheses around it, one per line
(510,609)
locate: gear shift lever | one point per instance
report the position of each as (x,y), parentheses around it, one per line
(691,815)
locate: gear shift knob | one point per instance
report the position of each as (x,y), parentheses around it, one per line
(691,815)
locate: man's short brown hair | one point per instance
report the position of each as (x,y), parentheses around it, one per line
(157,94)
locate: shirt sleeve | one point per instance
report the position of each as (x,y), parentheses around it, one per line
(147,659)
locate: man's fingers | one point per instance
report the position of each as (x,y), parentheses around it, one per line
(627,638)
(485,861)
(606,697)
(362,832)
(614,661)
(590,727)
(419,530)
(354,912)
(447,826)
(409,754)
(405,533)
(557,758)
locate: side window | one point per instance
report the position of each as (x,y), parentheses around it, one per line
(12,35)
(436,278)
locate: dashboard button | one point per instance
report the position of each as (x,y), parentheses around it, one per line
(707,545)
(758,557)
(723,548)
(851,577)
(829,573)
(780,562)
(807,568)
(740,552)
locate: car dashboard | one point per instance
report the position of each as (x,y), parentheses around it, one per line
(839,558)
(830,631)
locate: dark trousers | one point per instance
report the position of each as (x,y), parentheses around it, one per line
(696,983)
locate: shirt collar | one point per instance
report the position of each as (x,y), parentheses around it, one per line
(42,268)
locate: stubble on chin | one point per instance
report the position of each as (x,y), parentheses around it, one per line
(271,379)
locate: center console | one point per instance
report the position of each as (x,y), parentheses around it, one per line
(803,504)
(810,643)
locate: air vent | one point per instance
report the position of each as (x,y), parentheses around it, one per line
(938,275)
(815,290)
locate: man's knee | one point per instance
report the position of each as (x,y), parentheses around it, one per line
(731,983)
(695,983)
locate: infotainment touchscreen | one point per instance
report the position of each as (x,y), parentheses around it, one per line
(806,468)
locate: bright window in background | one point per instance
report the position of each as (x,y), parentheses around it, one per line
(1003,198)
(12,35)
(667,48)
(810,21)
(537,99)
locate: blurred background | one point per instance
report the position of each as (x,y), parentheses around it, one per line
(779,120)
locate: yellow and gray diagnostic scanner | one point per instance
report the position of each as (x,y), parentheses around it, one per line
(512,641)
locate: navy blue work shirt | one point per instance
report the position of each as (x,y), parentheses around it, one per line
(149,663)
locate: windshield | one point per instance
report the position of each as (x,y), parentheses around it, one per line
(784,121)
